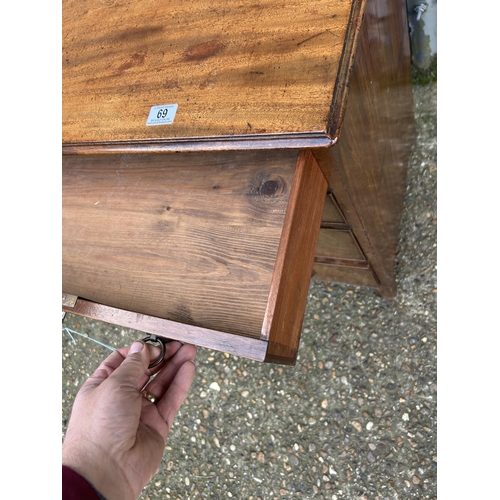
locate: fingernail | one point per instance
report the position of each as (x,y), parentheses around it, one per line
(136,347)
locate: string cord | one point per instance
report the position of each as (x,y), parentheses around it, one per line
(70,332)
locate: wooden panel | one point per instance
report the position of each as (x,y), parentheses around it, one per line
(331,212)
(232,344)
(189,238)
(288,295)
(367,168)
(339,244)
(241,69)
(343,274)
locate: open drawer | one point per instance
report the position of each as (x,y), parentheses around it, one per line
(197,148)
(213,248)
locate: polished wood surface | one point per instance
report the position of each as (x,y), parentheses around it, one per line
(221,236)
(233,344)
(185,237)
(367,168)
(243,69)
(290,285)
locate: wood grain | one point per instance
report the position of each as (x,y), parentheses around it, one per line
(331,212)
(367,167)
(341,244)
(217,245)
(243,69)
(220,341)
(344,274)
(288,295)
(340,261)
(189,238)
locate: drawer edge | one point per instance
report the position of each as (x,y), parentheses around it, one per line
(245,347)
(290,282)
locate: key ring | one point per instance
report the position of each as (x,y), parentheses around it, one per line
(160,341)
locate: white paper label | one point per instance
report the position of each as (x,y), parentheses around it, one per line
(162,115)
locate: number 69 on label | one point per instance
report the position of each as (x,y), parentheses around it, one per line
(162,115)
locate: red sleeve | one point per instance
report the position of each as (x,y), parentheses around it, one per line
(76,487)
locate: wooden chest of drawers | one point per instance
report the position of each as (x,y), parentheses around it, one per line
(216,156)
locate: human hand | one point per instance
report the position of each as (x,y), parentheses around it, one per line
(116,437)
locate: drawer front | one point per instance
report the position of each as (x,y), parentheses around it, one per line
(215,242)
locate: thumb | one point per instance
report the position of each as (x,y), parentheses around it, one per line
(133,368)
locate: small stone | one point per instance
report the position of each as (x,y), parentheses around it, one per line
(324,403)
(186,480)
(371,457)
(216,441)
(369,426)
(406,417)
(415,480)
(245,394)
(372,446)
(294,460)
(357,425)
(215,386)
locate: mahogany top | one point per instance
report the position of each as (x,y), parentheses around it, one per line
(243,70)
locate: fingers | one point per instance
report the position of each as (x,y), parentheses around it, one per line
(169,404)
(116,358)
(134,366)
(159,385)
(170,387)
(170,349)
(105,369)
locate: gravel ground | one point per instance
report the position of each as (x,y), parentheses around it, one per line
(354,419)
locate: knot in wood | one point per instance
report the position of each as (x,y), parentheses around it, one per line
(269,188)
